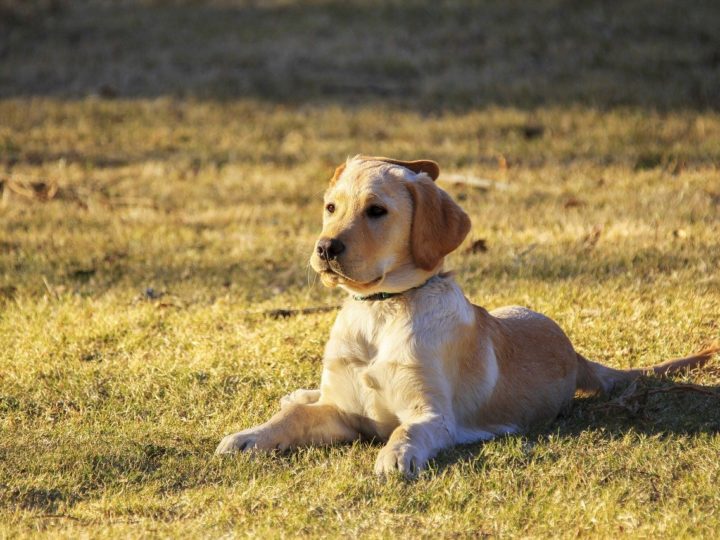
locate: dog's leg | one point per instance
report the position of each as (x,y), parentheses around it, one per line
(412,444)
(302,396)
(295,425)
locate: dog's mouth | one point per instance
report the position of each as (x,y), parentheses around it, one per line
(336,275)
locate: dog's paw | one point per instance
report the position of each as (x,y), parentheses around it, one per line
(237,442)
(300,397)
(400,458)
(251,440)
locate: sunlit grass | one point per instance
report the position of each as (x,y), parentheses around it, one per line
(114,397)
(146,235)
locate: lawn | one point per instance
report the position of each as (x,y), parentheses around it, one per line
(161,174)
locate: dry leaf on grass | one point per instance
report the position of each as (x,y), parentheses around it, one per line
(573,202)
(478,246)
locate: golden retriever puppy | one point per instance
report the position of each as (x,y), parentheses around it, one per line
(410,360)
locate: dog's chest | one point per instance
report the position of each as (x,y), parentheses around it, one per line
(361,369)
(385,360)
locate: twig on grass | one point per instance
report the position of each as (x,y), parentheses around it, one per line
(57,516)
(474,181)
(285,313)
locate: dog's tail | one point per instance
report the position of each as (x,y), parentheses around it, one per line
(596,378)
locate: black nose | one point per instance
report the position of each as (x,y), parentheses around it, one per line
(329,248)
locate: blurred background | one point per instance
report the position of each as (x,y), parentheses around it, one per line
(431,56)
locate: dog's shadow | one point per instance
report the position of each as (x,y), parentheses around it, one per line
(648,406)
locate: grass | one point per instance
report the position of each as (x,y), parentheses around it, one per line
(146,229)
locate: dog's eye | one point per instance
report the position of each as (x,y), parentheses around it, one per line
(375,211)
(330,207)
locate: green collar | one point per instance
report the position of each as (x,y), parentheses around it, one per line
(376,296)
(386,295)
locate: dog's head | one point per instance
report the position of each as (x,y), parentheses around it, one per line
(386,225)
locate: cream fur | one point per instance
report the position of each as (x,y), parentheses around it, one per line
(426,369)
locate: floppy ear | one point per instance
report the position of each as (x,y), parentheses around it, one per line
(439,225)
(338,171)
(418,166)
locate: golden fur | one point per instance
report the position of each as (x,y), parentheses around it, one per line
(423,369)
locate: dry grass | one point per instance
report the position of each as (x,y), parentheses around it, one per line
(142,238)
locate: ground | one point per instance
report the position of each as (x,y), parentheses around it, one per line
(161,169)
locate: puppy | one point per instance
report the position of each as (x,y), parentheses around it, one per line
(410,360)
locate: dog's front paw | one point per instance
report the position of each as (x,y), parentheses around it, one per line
(251,440)
(400,458)
(237,442)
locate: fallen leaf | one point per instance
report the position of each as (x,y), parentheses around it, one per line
(478,246)
(573,202)
(533,131)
